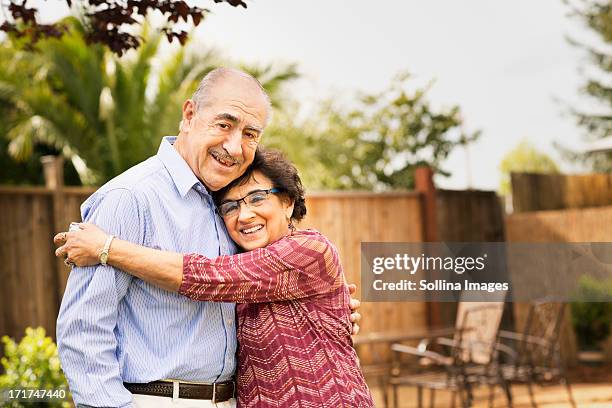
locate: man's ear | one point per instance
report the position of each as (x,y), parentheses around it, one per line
(188,114)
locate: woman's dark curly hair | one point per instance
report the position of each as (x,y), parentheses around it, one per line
(282,173)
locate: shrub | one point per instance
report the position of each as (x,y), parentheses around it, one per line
(33,363)
(592,317)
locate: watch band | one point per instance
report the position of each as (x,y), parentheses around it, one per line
(104,254)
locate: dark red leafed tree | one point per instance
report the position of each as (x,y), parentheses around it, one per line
(106,20)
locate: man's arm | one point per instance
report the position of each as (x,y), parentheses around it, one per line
(88,314)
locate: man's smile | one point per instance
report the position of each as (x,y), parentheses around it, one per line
(224,160)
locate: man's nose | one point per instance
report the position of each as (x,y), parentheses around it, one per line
(233,144)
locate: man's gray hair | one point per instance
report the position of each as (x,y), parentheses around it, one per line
(201,94)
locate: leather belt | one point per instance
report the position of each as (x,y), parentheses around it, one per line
(217,392)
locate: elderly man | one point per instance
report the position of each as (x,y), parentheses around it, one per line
(119,336)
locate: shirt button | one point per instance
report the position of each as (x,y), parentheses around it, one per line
(230,321)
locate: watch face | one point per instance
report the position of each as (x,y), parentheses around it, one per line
(103,257)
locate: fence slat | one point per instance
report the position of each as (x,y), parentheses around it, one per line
(537,192)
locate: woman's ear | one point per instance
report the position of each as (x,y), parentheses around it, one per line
(289,211)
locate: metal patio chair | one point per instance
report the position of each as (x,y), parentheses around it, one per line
(379,368)
(470,360)
(535,355)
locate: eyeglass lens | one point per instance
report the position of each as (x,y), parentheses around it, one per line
(254,199)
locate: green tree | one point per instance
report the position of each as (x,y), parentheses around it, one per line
(102,112)
(20,156)
(596,15)
(91,105)
(376,145)
(299,139)
(524,158)
(274,78)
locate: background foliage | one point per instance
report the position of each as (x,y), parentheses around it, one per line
(32,363)
(106,113)
(374,146)
(592,320)
(102,112)
(596,16)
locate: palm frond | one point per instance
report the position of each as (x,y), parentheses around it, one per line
(28,132)
(274,79)
(177,81)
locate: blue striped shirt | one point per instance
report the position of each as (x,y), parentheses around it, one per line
(113,328)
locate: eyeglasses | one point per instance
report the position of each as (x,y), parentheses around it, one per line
(253,199)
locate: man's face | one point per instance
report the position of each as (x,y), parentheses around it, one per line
(220,139)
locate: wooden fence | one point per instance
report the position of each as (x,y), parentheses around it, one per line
(571,225)
(351,218)
(34,280)
(469,215)
(28,267)
(536,192)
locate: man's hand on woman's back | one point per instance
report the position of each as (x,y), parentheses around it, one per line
(354,305)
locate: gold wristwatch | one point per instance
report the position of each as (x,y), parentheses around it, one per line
(104,253)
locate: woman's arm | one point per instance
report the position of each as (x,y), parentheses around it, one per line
(161,268)
(303,265)
(83,248)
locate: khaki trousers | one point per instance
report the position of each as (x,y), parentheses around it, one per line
(149,401)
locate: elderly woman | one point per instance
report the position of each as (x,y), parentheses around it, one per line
(294,332)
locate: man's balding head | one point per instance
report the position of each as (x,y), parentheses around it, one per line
(204,93)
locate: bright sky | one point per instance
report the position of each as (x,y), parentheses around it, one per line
(505,63)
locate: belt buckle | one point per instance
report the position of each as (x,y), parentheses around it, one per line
(214,396)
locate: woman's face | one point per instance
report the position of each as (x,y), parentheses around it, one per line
(263,222)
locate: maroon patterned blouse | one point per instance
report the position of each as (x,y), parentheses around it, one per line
(295,347)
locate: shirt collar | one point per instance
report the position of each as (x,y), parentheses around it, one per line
(179,170)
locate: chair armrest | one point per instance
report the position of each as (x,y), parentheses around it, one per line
(511,335)
(507,350)
(465,345)
(522,337)
(443,341)
(402,348)
(446,342)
